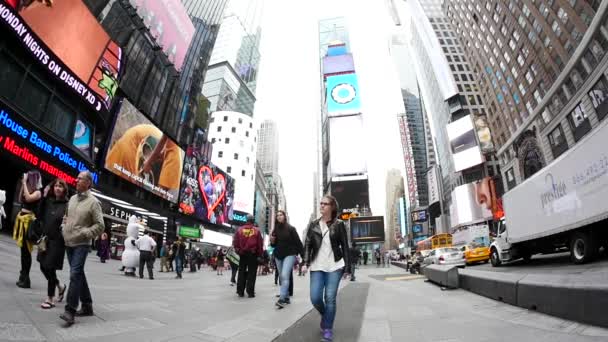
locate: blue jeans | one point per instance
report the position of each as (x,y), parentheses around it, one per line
(285,266)
(324,285)
(179,265)
(79,288)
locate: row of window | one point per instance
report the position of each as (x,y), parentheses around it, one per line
(226,120)
(233,130)
(220,154)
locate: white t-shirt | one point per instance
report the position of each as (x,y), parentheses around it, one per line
(145,243)
(325,257)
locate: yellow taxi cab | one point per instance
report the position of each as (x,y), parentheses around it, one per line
(476,253)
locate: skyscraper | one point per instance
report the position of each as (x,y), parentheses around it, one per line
(268,147)
(394,191)
(539,66)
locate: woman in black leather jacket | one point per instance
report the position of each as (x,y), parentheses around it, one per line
(326,253)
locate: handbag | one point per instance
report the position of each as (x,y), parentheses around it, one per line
(34,232)
(41,243)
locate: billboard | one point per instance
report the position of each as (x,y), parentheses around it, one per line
(431,177)
(69,42)
(342,95)
(463,143)
(483,134)
(206,192)
(333,65)
(142,154)
(351,193)
(476,235)
(465,208)
(419,216)
(367,229)
(345,134)
(170,24)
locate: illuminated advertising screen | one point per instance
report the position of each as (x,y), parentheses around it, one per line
(69,42)
(338,64)
(170,24)
(467,206)
(367,229)
(419,216)
(345,134)
(38,150)
(83,137)
(342,95)
(142,154)
(351,193)
(463,142)
(207,192)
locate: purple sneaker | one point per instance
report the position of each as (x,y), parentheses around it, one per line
(328,335)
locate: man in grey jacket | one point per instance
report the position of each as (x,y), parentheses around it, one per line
(82,222)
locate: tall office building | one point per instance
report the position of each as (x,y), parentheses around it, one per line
(268,147)
(541,67)
(394,191)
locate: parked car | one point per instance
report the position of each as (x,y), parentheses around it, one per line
(445,256)
(474,254)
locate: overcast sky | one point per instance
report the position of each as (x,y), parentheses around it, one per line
(289,92)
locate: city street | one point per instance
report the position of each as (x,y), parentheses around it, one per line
(558,263)
(384,304)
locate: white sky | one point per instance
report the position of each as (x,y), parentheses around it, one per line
(288,92)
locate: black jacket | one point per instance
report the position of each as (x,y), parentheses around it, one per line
(51,214)
(287,242)
(337,236)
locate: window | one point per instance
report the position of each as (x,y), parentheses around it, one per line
(229,169)
(579,122)
(522,22)
(247,160)
(529,77)
(503,30)
(512,44)
(460,68)
(520,60)
(233,129)
(516,35)
(555,27)
(543,10)
(251,125)
(247,133)
(516,98)
(562,15)
(227,140)
(225,118)
(526,10)
(557,141)
(58,118)
(236,156)
(537,95)
(240,120)
(220,154)
(507,57)
(546,115)
(598,95)
(213,140)
(492,30)
(522,89)
(532,36)
(503,66)
(243,173)
(33,98)
(219,128)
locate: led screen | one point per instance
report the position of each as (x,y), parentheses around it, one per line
(367,229)
(351,194)
(142,154)
(338,64)
(345,134)
(342,95)
(207,192)
(463,142)
(466,207)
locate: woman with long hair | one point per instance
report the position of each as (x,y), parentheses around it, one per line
(326,252)
(52,211)
(287,245)
(103,249)
(30,196)
(219,260)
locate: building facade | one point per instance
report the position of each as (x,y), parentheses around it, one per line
(394,191)
(234,144)
(541,67)
(268,147)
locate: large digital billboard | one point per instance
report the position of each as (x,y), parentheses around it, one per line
(351,193)
(345,134)
(170,24)
(367,229)
(69,42)
(466,208)
(333,65)
(463,142)
(142,154)
(343,95)
(207,192)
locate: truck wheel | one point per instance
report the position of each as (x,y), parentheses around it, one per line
(495,258)
(582,248)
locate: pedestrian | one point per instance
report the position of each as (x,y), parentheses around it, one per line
(287,246)
(387,259)
(378,257)
(248,244)
(219,254)
(103,248)
(164,267)
(326,253)
(82,223)
(354,259)
(51,252)
(30,196)
(365,256)
(179,253)
(171,256)
(276,271)
(146,246)
(233,259)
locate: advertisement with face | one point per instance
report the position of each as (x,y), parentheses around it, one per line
(207,192)
(68,40)
(367,229)
(483,134)
(170,24)
(463,141)
(465,208)
(343,95)
(142,154)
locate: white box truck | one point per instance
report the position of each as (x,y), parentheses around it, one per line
(564,205)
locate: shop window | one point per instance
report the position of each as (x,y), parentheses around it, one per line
(83,136)
(11,75)
(579,122)
(33,98)
(598,95)
(557,141)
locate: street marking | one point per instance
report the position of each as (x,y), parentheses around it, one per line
(407,277)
